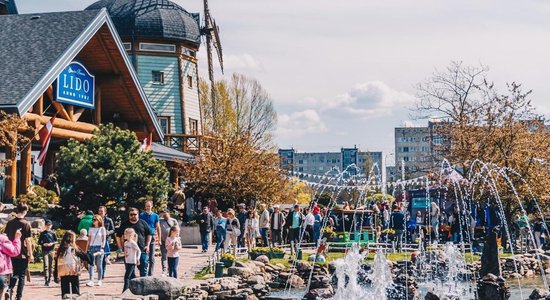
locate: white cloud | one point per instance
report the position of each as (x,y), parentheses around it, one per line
(242,62)
(299,124)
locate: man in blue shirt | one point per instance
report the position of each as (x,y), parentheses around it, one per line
(153,220)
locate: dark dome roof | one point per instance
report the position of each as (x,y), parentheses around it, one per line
(152,19)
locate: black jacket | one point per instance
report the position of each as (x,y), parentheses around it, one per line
(397,220)
(208,223)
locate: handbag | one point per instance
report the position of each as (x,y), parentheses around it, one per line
(69,264)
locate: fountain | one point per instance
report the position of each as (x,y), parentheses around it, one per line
(491,285)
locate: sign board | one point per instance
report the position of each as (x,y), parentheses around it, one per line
(420,202)
(76,86)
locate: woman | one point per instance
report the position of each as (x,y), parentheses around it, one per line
(233,231)
(96,243)
(221,229)
(317,224)
(8,249)
(67,264)
(251,230)
(434,215)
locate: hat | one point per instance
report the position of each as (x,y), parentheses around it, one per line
(316,209)
(275,206)
(164,211)
(48,222)
(241,205)
(231,211)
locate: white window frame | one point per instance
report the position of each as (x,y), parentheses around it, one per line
(142,47)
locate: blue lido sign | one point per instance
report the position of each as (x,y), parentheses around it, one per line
(75,86)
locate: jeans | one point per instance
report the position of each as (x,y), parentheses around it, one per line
(47,258)
(163,253)
(399,239)
(173,266)
(263,234)
(143,264)
(205,240)
(276,236)
(435,228)
(316,234)
(294,237)
(96,259)
(20,266)
(151,257)
(537,235)
(69,285)
(129,274)
(220,234)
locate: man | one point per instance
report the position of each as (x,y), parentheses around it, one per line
(110,229)
(144,237)
(86,221)
(47,241)
(153,220)
(241,216)
(294,219)
(20,263)
(397,223)
(264,224)
(309,221)
(277,223)
(206,222)
(166,222)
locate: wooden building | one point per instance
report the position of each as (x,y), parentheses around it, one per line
(35,49)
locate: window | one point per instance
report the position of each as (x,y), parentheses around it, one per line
(437,140)
(193,126)
(300,169)
(127,46)
(157,47)
(164,124)
(187,52)
(190,81)
(405,149)
(405,158)
(158,77)
(334,161)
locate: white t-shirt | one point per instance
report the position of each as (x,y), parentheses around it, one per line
(310,219)
(97,236)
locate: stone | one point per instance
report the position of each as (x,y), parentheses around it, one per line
(255,279)
(262,258)
(320,293)
(303,266)
(240,271)
(258,264)
(529,274)
(296,281)
(165,287)
(431,296)
(538,293)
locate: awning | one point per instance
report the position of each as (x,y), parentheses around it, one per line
(169,154)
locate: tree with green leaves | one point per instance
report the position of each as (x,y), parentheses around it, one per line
(109,167)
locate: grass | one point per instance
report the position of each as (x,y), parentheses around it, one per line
(36,267)
(202,273)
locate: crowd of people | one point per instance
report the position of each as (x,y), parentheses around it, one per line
(64,259)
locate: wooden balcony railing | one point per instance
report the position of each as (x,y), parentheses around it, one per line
(191,143)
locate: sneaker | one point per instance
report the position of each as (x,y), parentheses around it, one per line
(90,283)
(99,283)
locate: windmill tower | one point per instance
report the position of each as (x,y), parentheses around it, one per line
(211,32)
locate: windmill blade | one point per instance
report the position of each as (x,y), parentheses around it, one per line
(217,43)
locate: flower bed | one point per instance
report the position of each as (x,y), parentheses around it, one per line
(274,252)
(228,260)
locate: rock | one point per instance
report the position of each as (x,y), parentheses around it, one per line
(490,277)
(239,271)
(164,287)
(296,281)
(258,264)
(431,296)
(255,279)
(262,258)
(538,293)
(529,274)
(320,293)
(303,266)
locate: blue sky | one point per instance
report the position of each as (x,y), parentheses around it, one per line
(343,73)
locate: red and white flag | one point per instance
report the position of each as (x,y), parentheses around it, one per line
(45,134)
(146,145)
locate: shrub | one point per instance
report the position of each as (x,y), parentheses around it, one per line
(38,199)
(229,256)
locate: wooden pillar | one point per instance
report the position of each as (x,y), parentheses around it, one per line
(98,105)
(11,172)
(26,164)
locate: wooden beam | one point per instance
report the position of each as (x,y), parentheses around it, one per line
(11,172)
(38,107)
(60,123)
(98,105)
(26,166)
(58,106)
(70,110)
(69,134)
(78,113)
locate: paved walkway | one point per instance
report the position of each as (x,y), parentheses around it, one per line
(191,261)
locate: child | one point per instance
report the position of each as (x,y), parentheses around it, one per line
(8,249)
(47,240)
(131,256)
(173,245)
(67,264)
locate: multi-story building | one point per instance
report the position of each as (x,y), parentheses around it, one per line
(330,163)
(413,150)
(162,39)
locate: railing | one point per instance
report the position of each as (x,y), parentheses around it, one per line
(191,143)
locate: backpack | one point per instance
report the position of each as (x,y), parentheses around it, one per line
(68,264)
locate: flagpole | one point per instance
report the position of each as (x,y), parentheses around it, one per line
(38,131)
